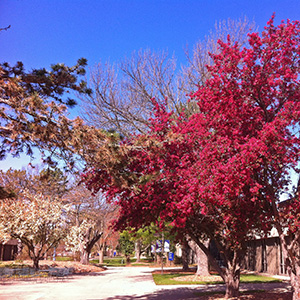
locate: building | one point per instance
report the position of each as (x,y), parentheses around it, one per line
(264,255)
(8,250)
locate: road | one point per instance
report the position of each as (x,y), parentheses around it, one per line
(113,284)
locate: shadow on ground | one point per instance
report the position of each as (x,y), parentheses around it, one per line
(192,293)
(174,294)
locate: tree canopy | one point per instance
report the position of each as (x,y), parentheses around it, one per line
(33,108)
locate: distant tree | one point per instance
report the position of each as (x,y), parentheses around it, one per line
(142,238)
(196,71)
(35,220)
(48,181)
(108,240)
(126,245)
(122,94)
(109,237)
(15,181)
(89,217)
(52,181)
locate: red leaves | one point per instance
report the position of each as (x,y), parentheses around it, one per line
(222,167)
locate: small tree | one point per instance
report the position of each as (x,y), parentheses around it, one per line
(36,220)
(126,245)
(109,240)
(82,238)
(143,238)
(109,237)
(89,216)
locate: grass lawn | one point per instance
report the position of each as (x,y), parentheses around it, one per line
(120,262)
(170,279)
(64,258)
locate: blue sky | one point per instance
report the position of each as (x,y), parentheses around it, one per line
(44,32)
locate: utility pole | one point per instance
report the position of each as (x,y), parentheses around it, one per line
(162,252)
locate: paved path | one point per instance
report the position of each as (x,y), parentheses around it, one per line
(112,284)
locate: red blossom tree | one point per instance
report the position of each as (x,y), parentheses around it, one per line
(251,105)
(220,173)
(168,184)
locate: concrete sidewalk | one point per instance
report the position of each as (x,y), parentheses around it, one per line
(113,284)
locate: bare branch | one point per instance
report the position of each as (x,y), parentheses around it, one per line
(5,28)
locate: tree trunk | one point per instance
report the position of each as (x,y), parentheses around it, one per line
(294,278)
(201,258)
(36,262)
(231,274)
(157,258)
(84,257)
(20,248)
(185,258)
(128,260)
(292,266)
(202,263)
(232,281)
(101,256)
(138,250)
(295,286)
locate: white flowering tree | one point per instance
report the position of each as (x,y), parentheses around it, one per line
(90,215)
(36,220)
(81,238)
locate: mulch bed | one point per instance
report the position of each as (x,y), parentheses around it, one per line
(77,266)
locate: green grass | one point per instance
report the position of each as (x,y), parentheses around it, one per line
(112,262)
(252,278)
(119,262)
(166,279)
(64,258)
(14,265)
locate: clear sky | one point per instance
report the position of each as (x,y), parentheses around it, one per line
(44,32)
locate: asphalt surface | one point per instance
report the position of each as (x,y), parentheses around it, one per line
(113,284)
